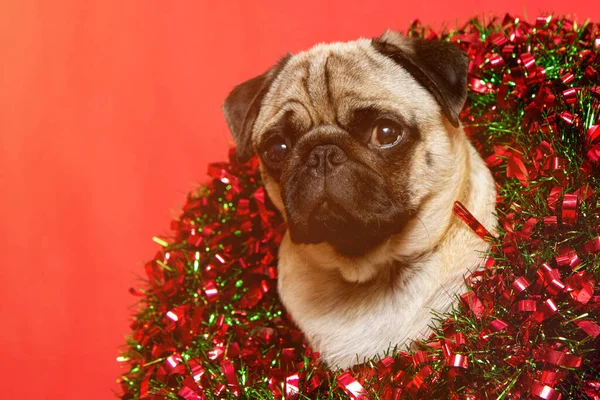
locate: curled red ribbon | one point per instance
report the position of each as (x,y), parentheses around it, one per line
(567,117)
(591,247)
(229,372)
(569,210)
(570,95)
(592,134)
(473,303)
(550,277)
(497,325)
(549,377)
(457,361)
(567,78)
(584,192)
(528,62)
(210,289)
(516,169)
(461,212)
(520,284)
(593,156)
(351,386)
(589,327)
(526,305)
(547,309)
(560,359)
(190,390)
(173,361)
(420,357)
(479,86)
(545,392)
(581,287)
(291,386)
(313,384)
(567,257)
(496,61)
(385,365)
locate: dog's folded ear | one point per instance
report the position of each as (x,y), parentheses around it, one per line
(242,106)
(439,66)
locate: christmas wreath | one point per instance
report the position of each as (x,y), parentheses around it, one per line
(210,324)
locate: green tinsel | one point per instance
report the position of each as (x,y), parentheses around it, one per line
(210,324)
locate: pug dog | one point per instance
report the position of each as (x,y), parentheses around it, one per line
(362,151)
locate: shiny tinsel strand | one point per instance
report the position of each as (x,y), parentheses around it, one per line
(210,324)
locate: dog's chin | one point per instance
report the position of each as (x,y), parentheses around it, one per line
(346,233)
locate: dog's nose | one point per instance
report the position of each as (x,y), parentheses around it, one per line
(325,158)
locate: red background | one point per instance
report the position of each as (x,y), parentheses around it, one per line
(109,113)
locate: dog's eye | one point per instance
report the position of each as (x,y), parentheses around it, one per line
(386,133)
(276,149)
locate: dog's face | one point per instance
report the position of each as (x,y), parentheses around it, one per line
(352,137)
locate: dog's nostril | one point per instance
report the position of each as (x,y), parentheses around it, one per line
(314,159)
(326,155)
(336,156)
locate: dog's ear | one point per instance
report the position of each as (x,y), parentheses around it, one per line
(242,106)
(438,66)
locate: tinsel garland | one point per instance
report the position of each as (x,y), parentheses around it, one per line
(210,324)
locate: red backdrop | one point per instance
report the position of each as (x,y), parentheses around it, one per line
(109,113)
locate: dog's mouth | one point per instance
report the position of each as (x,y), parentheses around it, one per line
(329,222)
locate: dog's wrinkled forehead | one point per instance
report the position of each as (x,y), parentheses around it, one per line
(322,86)
(421,81)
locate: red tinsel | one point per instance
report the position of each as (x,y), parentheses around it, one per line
(528,325)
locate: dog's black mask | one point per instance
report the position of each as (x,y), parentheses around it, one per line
(337,190)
